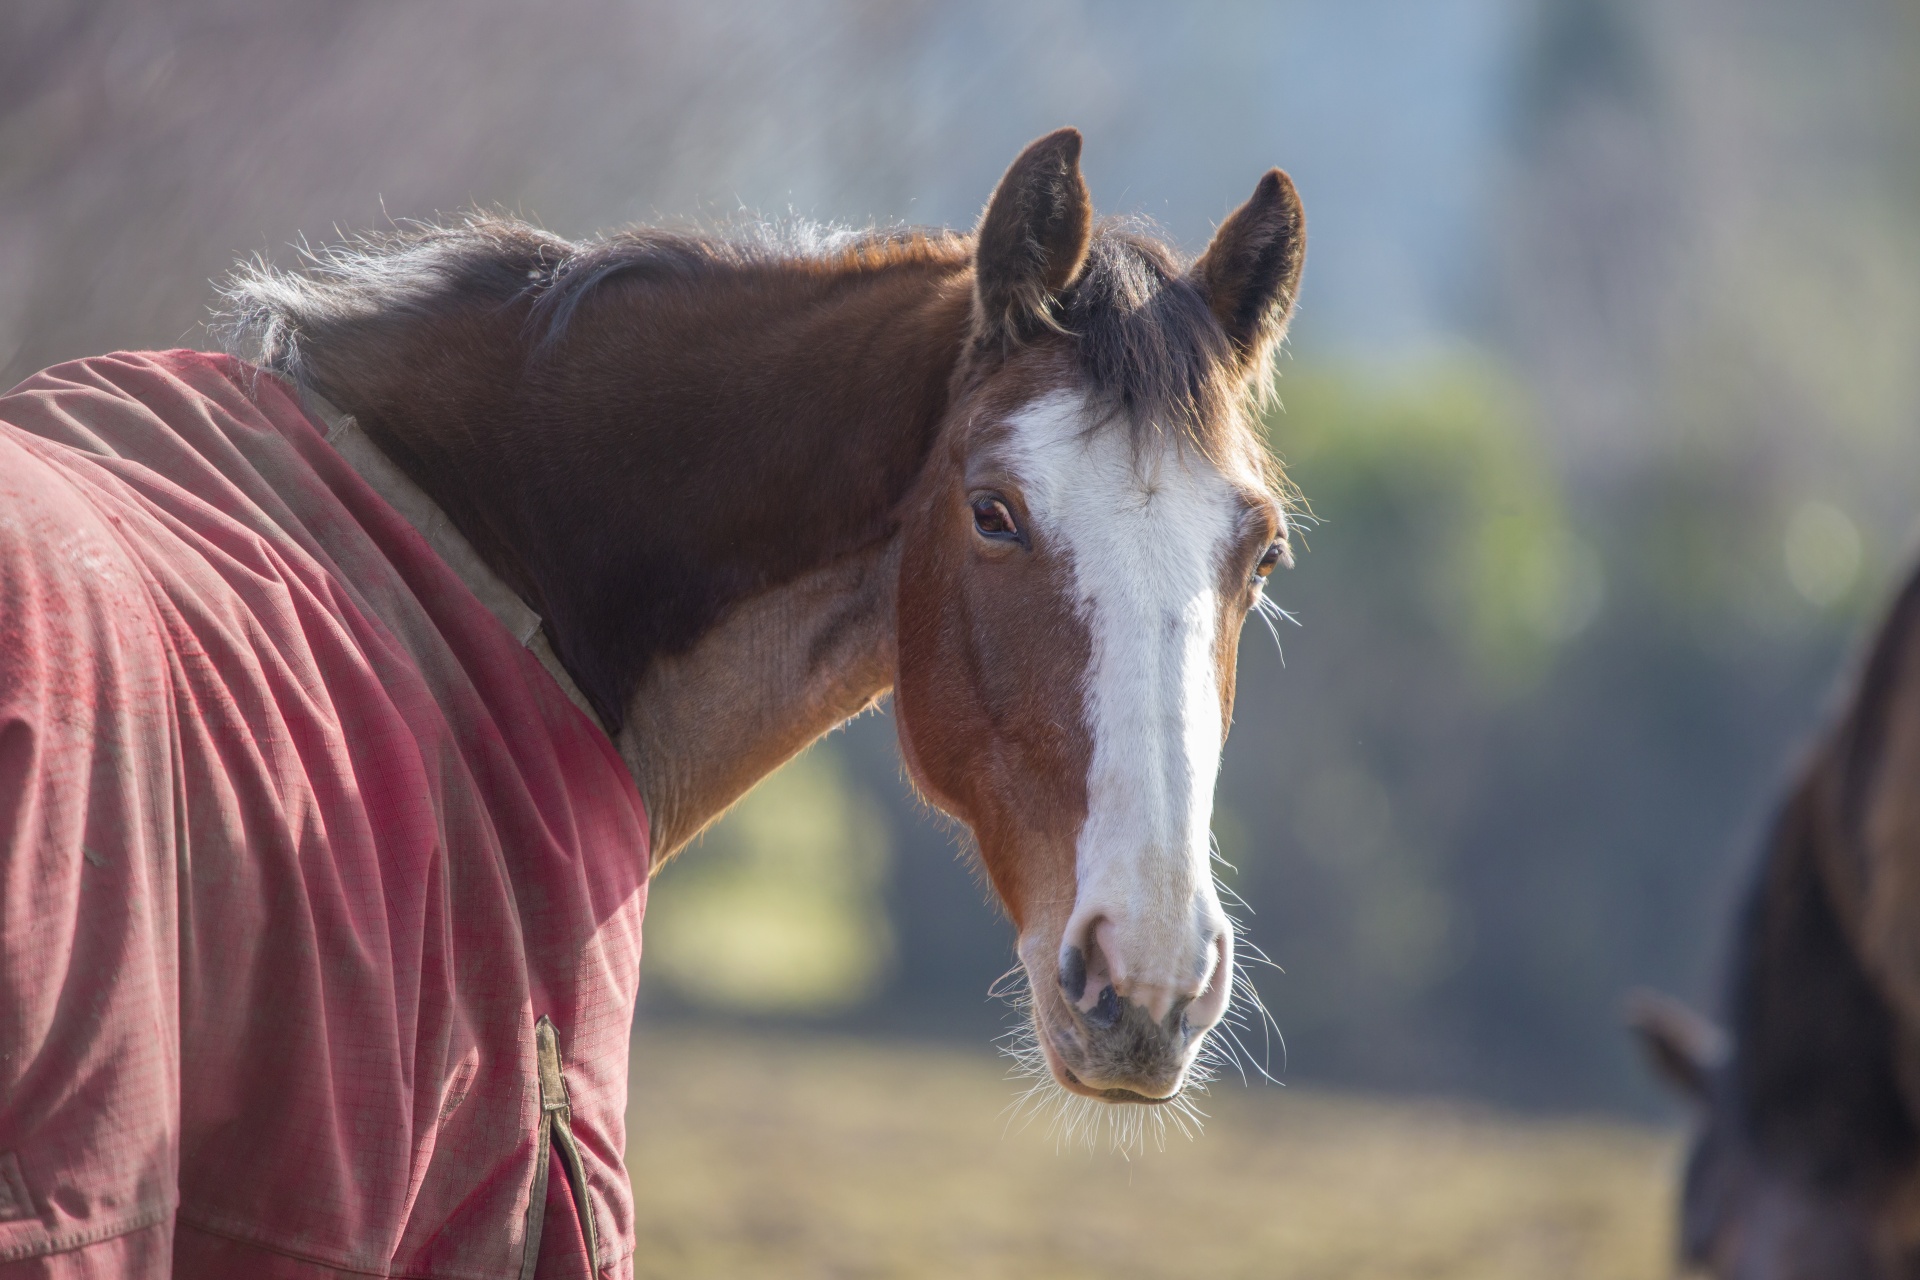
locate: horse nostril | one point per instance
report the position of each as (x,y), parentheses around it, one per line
(1177,1016)
(1073,974)
(1105,1011)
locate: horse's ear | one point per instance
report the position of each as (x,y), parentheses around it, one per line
(1251,271)
(1683,1048)
(1032,239)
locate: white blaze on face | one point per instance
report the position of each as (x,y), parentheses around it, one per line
(1146,530)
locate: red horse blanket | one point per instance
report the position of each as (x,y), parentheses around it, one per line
(304,860)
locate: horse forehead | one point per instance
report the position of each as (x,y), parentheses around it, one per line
(1150,513)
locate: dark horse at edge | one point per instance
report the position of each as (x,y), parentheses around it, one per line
(1806,1163)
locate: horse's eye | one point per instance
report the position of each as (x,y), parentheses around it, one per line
(992,519)
(1269,560)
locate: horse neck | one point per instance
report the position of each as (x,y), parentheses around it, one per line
(697,488)
(778,671)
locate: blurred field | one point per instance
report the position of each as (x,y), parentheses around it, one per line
(765,1155)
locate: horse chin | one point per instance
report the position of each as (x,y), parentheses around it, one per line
(1073,1114)
(1054,1036)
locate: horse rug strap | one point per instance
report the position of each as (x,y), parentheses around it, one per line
(426,515)
(312,878)
(556,1134)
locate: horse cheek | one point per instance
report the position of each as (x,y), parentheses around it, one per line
(928,707)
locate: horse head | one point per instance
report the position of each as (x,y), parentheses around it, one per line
(753,482)
(1096,521)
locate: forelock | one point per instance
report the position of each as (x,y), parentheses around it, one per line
(1149,348)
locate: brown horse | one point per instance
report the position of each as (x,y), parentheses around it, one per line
(753,483)
(1807,1162)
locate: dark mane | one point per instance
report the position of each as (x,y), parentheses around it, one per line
(1815,1075)
(661,255)
(1148,345)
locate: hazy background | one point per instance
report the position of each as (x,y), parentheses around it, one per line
(1602,390)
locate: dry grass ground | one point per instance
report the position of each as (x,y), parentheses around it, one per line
(780,1156)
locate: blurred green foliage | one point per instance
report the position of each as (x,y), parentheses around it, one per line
(1526,729)
(1445,462)
(778,909)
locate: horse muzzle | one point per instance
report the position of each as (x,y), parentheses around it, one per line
(1124,1032)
